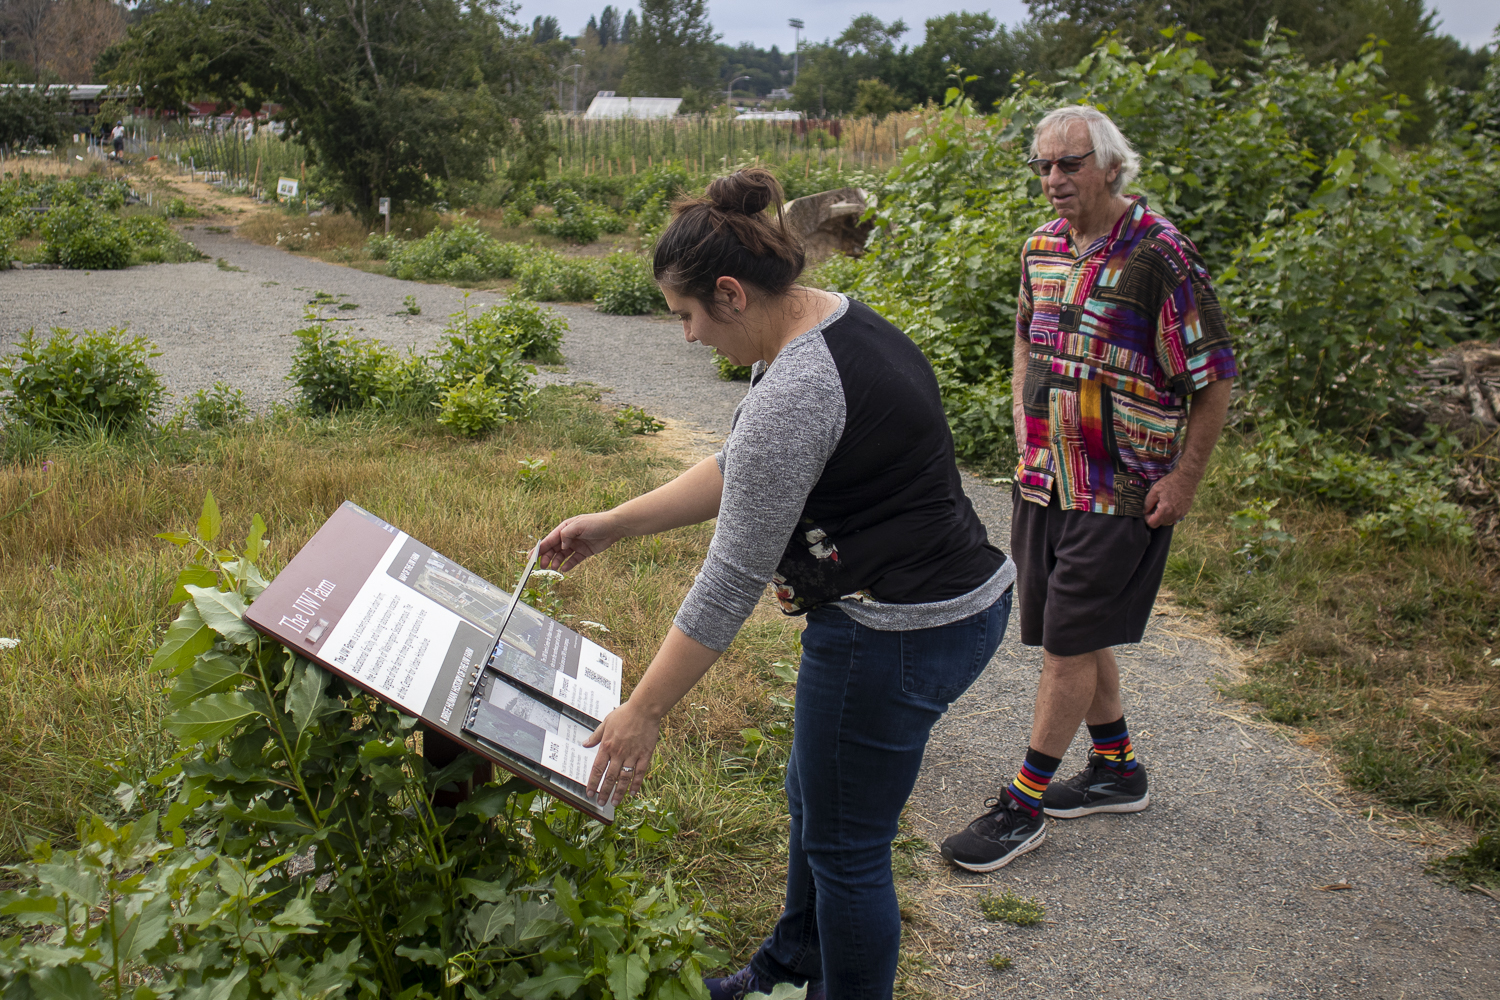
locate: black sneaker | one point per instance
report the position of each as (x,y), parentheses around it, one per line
(997,838)
(1098,788)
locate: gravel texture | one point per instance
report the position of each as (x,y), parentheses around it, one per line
(212,324)
(1213,892)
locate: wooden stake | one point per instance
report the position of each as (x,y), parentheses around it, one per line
(632,164)
(255,186)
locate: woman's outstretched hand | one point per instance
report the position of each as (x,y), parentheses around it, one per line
(577,538)
(626,740)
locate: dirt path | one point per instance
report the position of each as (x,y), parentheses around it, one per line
(1214,892)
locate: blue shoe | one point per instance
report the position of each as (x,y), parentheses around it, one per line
(745,982)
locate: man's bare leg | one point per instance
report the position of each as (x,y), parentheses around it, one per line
(1073,689)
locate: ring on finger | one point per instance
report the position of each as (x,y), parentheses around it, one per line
(627,770)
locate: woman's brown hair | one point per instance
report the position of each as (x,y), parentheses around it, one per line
(727,233)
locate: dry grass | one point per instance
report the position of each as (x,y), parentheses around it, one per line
(87,590)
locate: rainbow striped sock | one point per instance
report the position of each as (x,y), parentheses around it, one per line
(1112,743)
(1032,780)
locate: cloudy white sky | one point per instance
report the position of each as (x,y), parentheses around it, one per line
(764,22)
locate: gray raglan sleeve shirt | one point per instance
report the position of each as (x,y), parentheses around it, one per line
(784,432)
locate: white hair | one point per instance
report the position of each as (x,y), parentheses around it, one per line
(1111,148)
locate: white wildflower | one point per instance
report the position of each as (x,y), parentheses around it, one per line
(595,625)
(547,574)
(6,643)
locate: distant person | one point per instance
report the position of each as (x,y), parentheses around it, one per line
(118,135)
(1122,374)
(837,484)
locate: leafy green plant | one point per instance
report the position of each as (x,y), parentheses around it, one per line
(531,471)
(178,208)
(1403,499)
(155,242)
(217,406)
(729,371)
(1260,535)
(334,371)
(471,407)
(1012,909)
(535,331)
(463,253)
(634,420)
(999,962)
(83,236)
(99,378)
(626,286)
(551,277)
(294,850)
(412,309)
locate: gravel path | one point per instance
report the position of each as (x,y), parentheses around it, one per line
(1214,892)
(236,325)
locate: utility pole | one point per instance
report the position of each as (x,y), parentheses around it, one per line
(796,25)
(729,93)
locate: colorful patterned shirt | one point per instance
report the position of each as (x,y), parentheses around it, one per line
(1121,335)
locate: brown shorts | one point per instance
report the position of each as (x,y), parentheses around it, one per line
(1084,581)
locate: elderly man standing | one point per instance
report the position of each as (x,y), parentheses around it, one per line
(1122,375)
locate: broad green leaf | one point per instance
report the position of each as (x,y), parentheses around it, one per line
(177,538)
(223,611)
(64,982)
(298,915)
(781,991)
(216,989)
(418,912)
(426,954)
(139,933)
(82,886)
(210,718)
(304,699)
(198,576)
(328,977)
(380,750)
(210,673)
(558,979)
(486,892)
(209,521)
(486,922)
(186,638)
(627,976)
(256,542)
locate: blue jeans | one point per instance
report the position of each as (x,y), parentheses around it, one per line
(866,701)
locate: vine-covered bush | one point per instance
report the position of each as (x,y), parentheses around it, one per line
(101,379)
(627,286)
(292,850)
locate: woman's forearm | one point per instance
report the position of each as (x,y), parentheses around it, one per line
(691,498)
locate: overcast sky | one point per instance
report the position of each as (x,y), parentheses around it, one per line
(764,22)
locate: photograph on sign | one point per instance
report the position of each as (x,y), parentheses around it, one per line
(286,187)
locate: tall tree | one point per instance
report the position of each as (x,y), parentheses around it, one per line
(78,32)
(978,44)
(628,26)
(545,29)
(609,26)
(393,97)
(671,50)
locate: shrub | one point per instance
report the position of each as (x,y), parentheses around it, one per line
(335,372)
(551,277)
(535,331)
(483,376)
(218,406)
(155,242)
(510,895)
(407,381)
(83,237)
(101,378)
(626,286)
(463,253)
(177,208)
(472,408)
(1404,499)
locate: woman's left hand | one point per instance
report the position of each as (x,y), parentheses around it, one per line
(626,740)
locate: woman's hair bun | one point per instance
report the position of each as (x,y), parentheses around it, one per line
(750,191)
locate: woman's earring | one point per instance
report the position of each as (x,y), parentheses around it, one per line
(736,308)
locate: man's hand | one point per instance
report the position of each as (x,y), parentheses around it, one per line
(1171,498)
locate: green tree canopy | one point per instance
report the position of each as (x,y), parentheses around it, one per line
(671,48)
(394,98)
(38,116)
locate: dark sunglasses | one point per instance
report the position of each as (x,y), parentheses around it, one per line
(1069,164)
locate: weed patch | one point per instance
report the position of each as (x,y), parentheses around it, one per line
(1010,908)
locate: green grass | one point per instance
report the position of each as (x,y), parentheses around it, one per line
(1384,652)
(87,588)
(1012,909)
